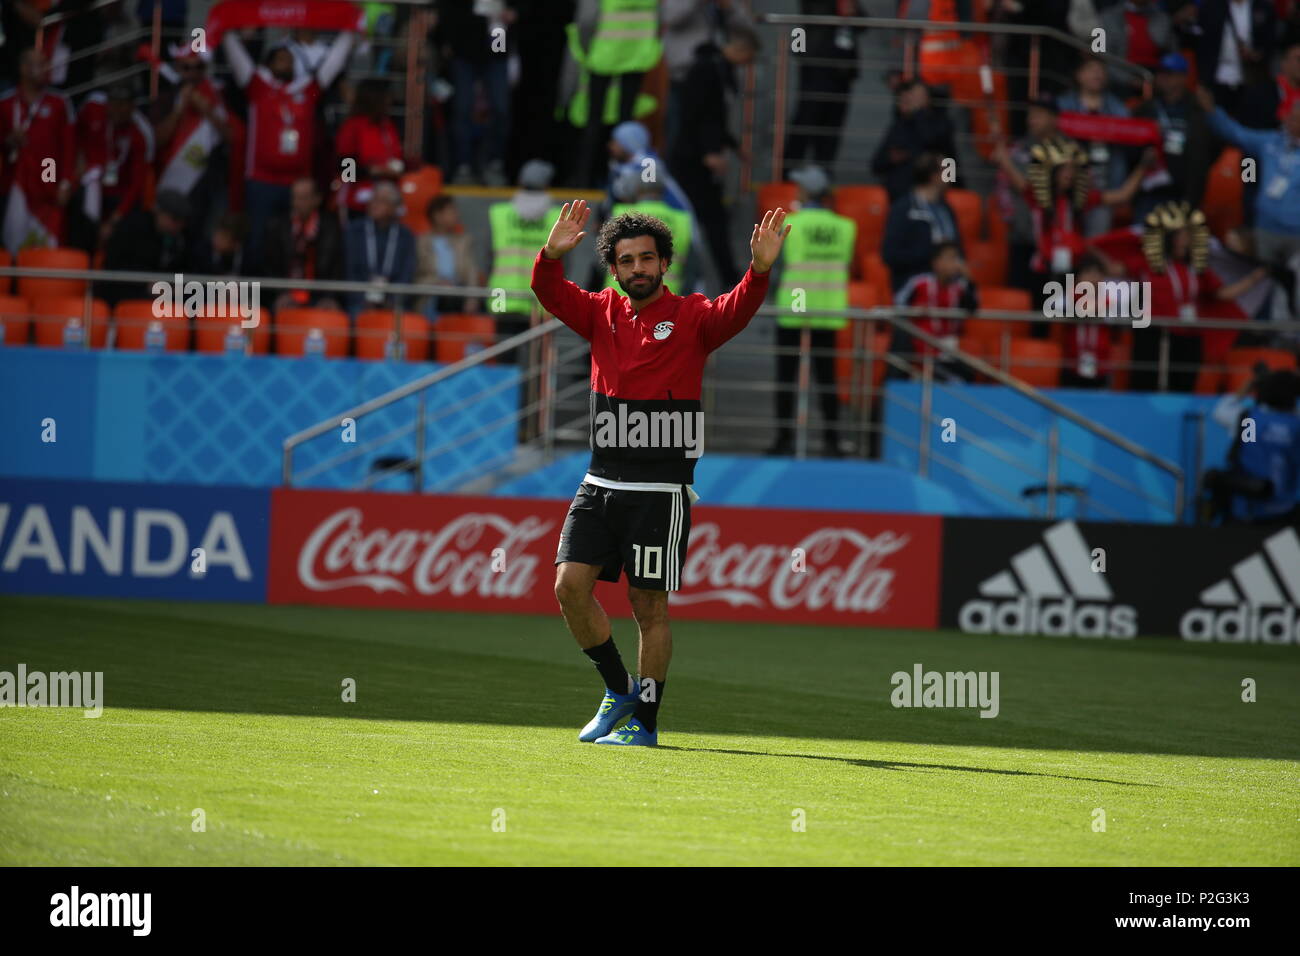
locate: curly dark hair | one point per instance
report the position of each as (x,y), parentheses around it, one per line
(629,226)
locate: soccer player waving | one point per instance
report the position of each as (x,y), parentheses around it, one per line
(633,508)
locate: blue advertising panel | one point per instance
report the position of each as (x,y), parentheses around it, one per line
(133,540)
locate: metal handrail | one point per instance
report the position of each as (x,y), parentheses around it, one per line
(1035,69)
(52,18)
(426,289)
(961,26)
(1033,394)
(411,388)
(893,315)
(309,285)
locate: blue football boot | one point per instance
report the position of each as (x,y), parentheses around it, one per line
(614,710)
(632,734)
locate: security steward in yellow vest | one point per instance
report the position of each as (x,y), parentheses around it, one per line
(520,226)
(623,46)
(815,277)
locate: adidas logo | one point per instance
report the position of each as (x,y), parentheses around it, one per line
(1050,590)
(1237,604)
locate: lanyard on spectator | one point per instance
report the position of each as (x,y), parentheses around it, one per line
(1178,285)
(110,144)
(21,128)
(372,247)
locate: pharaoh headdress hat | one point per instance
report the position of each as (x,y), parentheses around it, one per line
(1170,217)
(1046,157)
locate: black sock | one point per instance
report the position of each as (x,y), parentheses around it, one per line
(610,665)
(650,694)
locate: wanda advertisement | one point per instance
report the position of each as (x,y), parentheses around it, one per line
(498,555)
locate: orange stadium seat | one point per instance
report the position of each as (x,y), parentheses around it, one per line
(32,288)
(844,359)
(5,281)
(418,187)
(988,262)
(1000,299)
(968,208)
(1121,355)
(456,335)
(1036,362)
(862,295)
(1223,193)
(51,315)
(375,330)
(868,206)
(132,318)
(876,273)
(1241,364)
(15,318)
(294,326)
(774,195)
(1005,299)
(212,327)
(991,332)
(977,345)
(867,295)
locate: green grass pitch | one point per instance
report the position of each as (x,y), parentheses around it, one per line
(462,719)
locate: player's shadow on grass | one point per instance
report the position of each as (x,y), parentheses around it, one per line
(905,765)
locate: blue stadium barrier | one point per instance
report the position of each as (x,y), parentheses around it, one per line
(741,480)
(208,419)
(1168,425)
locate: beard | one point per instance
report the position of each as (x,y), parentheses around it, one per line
(641,287)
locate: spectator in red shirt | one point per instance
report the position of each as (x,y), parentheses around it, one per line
(946,286)
(117,147)
(36,126)
(1174,250)
(369,138)
(281,126)
(1088,340)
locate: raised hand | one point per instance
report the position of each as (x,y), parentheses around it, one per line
(765,243)
(567,231)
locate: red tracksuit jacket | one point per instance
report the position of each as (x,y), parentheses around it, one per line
(652,361)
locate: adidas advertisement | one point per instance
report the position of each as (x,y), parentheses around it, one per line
(1053,583)
(1258,600)
(1119,581)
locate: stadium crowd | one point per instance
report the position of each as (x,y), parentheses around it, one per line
(239,166)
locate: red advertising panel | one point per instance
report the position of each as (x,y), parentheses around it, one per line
(497,554)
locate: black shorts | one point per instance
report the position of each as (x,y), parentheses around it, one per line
(643,531)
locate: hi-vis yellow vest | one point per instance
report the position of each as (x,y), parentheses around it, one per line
(626,41)
(817,255)
(515,244)
(678,222)
(626,38)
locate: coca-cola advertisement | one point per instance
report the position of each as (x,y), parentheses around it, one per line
(498,554)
